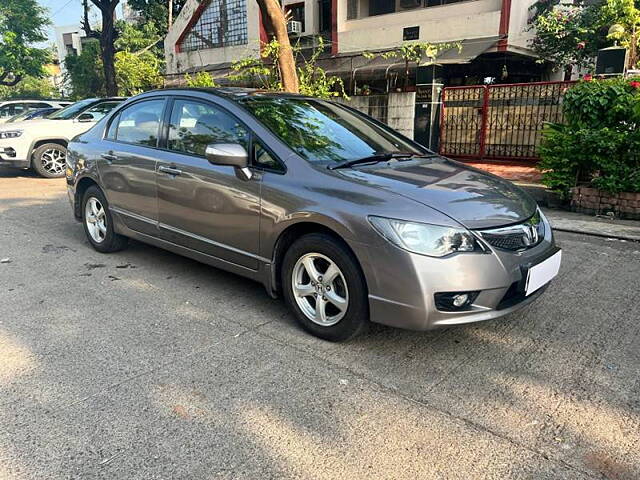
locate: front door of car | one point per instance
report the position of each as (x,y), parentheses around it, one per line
(213,209)
(127,165)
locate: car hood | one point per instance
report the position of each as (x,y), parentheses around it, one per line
(29,123)
(472,197)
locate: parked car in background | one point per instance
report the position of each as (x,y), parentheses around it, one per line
(32,114)
(347,219)
(42,143)
(11,108)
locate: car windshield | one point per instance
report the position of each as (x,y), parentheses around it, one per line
(19,117)
(72,110)
(325,132)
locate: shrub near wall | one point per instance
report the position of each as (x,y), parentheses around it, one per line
(598,146)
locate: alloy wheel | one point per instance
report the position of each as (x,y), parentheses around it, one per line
(54,161)
(320,289)
(96,219)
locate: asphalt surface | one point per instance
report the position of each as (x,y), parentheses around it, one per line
(147,365)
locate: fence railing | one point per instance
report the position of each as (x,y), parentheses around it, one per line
(502,122)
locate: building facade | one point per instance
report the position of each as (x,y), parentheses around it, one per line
(493,35)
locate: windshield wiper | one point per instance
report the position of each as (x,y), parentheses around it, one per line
(377,157)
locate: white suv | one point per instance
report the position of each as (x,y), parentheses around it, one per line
(10,108)
(42,143)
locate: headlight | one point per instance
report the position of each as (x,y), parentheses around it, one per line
(425,239)
(10,134)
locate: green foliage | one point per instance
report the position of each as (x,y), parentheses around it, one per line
(30,87)
(599,141)
(138,61)
(416,52)
(572,34)
(85,73)
(156,11)
(200,79)
(263,72)
(22,24)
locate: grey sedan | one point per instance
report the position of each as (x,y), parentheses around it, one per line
(345,218)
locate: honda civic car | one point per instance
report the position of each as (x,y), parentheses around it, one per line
(347,220)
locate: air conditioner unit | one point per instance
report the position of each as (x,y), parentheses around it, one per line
(410,3)
(294,27)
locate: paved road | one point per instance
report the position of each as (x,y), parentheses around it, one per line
(145,365)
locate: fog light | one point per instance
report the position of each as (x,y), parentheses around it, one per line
(460,300)
(455,301)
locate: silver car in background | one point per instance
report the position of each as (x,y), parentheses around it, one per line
(346,219)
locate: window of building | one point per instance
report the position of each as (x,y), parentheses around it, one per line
(435,3)
(194,125)
(138,124)
(222,24)
(295,12)
(352,9)
(380,7)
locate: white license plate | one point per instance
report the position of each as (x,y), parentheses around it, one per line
(542,273)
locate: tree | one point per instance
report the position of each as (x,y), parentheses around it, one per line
(22,25)
(263,72)
(107,43)
(137,61)
(276,26)
(571,35)
(157,11)
(85,71)
(30,87)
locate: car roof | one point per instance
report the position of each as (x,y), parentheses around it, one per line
(16,100)
(232,93)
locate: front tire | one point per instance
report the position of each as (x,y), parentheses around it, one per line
(325,287)
(98,222)
(50,160)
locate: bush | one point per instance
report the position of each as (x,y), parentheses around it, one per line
(599,143)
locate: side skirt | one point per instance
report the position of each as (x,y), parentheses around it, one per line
(263,275)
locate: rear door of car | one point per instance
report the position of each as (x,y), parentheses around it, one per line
(213,209)
(128,163)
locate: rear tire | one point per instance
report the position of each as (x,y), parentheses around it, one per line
(50,160)
(98,222)
(331,302)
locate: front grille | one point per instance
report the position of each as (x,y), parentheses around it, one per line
(516,237)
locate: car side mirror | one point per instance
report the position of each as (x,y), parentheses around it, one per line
(85,117)
(231,154)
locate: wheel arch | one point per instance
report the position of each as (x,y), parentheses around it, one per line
(41,141)
(82,186)
(293,232)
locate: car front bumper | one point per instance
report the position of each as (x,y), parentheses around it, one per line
(402,285)
(13,154)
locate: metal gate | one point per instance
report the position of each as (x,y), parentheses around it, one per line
(499,122)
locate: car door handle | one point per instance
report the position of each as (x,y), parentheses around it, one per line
(109,157)
(169,170)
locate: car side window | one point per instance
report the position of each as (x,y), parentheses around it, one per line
(33,106)
(100,110)
(11,110)
(194,125)
(138,124)
(262,158)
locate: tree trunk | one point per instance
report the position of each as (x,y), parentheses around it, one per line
(107,39)
(275,21)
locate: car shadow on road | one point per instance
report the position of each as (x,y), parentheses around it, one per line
(145,363)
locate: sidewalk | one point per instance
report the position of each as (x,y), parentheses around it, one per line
(564,221)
